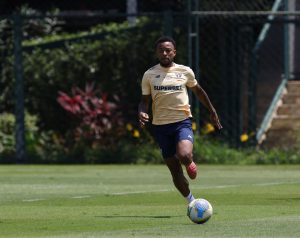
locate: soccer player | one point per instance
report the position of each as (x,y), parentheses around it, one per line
(166,85)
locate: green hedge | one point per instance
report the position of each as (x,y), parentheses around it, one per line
(210,151)
(108,61)
(135,147)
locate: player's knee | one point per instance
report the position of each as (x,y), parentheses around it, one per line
(185,157)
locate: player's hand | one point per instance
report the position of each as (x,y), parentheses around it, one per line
(215,120)
(143,119)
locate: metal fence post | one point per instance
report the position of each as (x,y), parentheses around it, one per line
(19,90)
(194,54)
(252,110)
(286,42)
(131,12)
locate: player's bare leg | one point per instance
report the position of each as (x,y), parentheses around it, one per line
(180,182)
(185,155)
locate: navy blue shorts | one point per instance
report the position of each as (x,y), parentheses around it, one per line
(167,136)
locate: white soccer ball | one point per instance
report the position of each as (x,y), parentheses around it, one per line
(199,211)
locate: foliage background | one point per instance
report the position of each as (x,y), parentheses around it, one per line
(113,55)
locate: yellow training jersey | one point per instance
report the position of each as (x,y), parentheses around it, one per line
(168,89)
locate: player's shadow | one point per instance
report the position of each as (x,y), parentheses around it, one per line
(286,199)
(137,216)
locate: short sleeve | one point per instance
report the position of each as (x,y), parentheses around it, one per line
(146,88)
(191,81)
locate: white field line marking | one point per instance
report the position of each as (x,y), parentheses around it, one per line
(220,186)
(139,192)
(240,185)
(81,197)
(204,187)
(169,190)
(275,183)
(33,200)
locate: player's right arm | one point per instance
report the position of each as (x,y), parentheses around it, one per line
(143,110)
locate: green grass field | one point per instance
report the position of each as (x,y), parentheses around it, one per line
(140,201)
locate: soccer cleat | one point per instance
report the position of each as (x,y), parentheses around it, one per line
(192,170)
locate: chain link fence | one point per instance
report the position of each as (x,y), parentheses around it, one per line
(246,52)
(239,51)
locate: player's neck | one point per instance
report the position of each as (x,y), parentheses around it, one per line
(167,66)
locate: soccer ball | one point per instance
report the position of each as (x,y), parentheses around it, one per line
(199,211)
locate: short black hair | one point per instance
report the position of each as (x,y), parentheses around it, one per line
(165,39)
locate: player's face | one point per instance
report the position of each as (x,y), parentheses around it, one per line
(165,53)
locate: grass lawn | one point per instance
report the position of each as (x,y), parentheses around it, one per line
(140,201)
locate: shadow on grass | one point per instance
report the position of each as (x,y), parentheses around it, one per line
(285,199)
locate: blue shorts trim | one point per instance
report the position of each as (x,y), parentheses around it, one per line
(168,135)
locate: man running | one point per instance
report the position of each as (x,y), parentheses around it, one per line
(166,85)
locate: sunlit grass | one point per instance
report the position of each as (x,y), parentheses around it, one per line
(140,201)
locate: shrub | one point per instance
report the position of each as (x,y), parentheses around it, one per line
(209,151)
(107,61)
(98,117)
(41,147)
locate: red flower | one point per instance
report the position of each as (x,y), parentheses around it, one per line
(70,104)
(95,111)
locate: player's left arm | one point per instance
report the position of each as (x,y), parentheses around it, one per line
(204,99)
